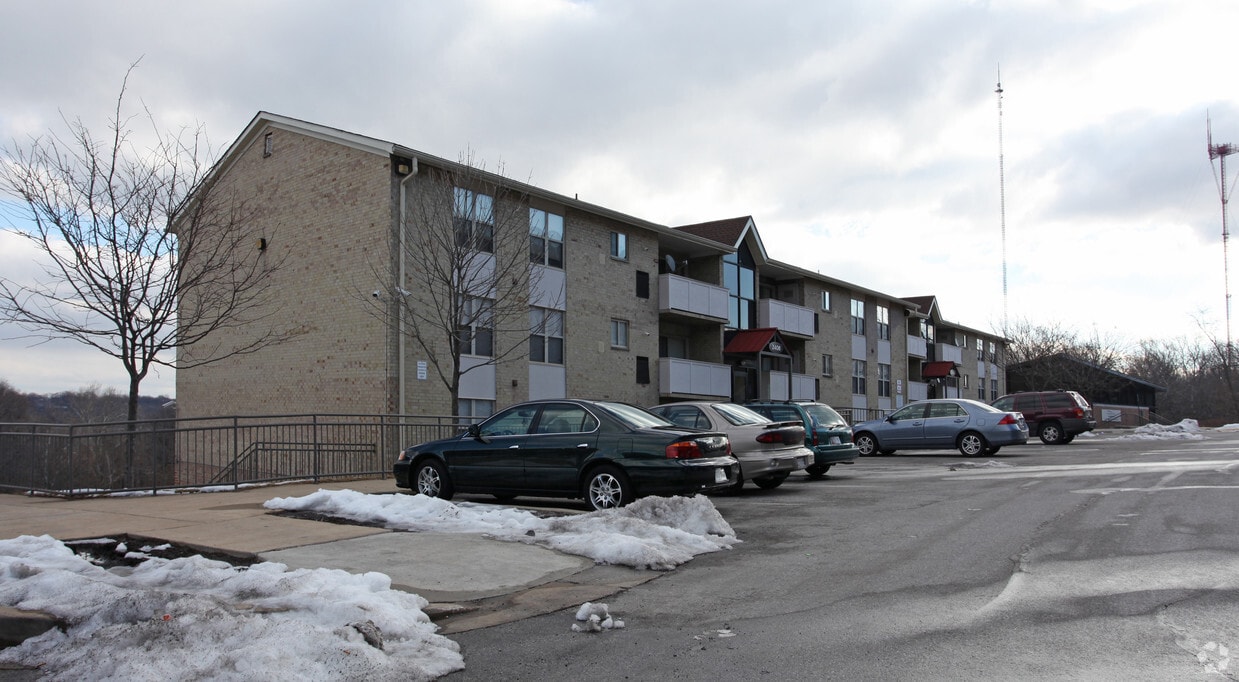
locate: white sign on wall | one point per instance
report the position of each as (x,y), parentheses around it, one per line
(421,370)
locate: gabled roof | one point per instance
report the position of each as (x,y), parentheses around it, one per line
(1065,357)
(941,368)
(754,341)
(729,232)
(926,303)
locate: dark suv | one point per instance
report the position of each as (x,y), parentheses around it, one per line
(1055,416)
(826,433)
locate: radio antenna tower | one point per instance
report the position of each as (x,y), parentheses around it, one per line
(1220,152)
(1002,204)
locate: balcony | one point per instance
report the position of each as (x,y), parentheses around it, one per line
(803,387)
(917,347)
(693,298)
(679,377)
(947,352)
(917,391)
(787,318)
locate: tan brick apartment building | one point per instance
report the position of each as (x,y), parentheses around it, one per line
(650,313)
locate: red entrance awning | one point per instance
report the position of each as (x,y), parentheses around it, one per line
(933,370)
(751,341)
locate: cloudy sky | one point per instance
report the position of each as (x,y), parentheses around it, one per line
(862,136)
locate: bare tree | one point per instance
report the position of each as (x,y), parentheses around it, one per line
(14,405)
(465,295)
(128,235)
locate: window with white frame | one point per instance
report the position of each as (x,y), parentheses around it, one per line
(475,330)
(993,389)
(980,349)
(473,216)
(883,314)
(884,380)
(619,245)
(546,238)
(858,377)
(981,392)
(826,301)
(619,333)
(961,340)
(992,354)
(546,336)
(474,410)
(858,317)
(828,365)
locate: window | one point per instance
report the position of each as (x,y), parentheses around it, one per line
(673,347)
(927,330)
(563,418)
(992,355)
(473,216)
(858,317)
(268,145)
(643,370)
(474,410)
(643,284)
(828,365)
(980,349)
(884,322)
(740,280)
(475,334)
(981,392)
(619,333)
(884,381)
(964,379)
(826,301)
(858,377)
(546,336)
(546,238)
(993,389)
(961,340)
(619,245)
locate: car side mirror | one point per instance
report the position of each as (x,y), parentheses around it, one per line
(475,431)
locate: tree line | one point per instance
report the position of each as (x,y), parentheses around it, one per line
(89,405)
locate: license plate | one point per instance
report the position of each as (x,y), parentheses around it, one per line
(720,475)
(834,440)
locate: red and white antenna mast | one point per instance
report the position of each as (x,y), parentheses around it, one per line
(1002,204)
(1220,152)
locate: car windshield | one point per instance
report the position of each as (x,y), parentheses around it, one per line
(739,415)
(635,417)
(825,415)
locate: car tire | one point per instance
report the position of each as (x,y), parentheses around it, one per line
(993,450)
(866,444)
(606,487)
(430,479)
(736,487)
(886,452)
(1068,439)
(972,444)
(770,482)
(1050,433)
(816,471)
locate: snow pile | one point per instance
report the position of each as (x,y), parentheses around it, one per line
(1187,429)
(653,532)
(1228,428)
(597,617)
(193,618)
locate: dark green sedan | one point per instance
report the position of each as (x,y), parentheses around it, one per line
(608,453)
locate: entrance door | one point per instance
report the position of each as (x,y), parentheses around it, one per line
(744,384)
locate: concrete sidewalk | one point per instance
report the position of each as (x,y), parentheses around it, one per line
(471,581)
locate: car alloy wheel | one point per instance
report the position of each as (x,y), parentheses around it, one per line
(1051,433)
(866,444)
(972,444)
(430,479)
(607,488)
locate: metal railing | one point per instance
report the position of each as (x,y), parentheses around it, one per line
(168,454)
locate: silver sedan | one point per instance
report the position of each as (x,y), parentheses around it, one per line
(970,425)
(768,451)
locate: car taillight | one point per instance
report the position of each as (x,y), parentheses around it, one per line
(1007,420)
(687,449)
(770,437)
(1078,413)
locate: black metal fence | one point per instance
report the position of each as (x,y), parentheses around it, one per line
(87,459)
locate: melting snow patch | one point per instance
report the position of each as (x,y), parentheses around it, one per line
(596,618)
(194,618)
(1228,427)
(1188,429)
(991,464)
(657,533)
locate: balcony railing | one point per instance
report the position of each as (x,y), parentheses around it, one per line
(803,387)
(917,347)
(678,294)
(949,352)
(787,318)
(677,376)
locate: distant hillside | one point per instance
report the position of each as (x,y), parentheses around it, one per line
(92,406)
